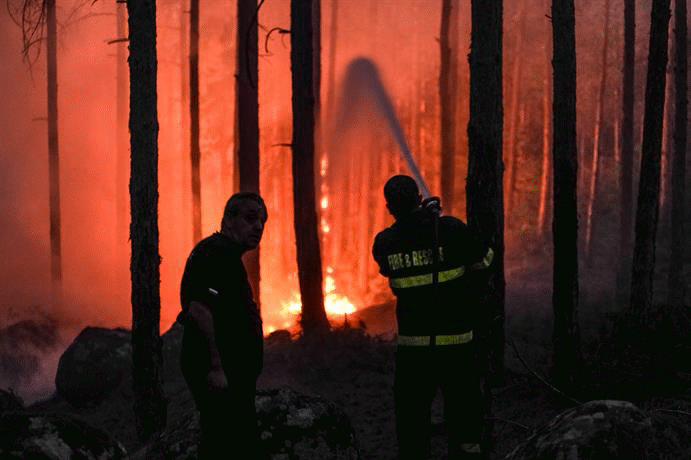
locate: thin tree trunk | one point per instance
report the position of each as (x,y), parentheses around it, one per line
(546,137)
(595,168)
(147,359)
(513,115)
(247,116)
(676,284)
(314,318)
(195,153)
(627,153)
(567,356)
(649,184)
(447,100)
(53,154)
(484,185)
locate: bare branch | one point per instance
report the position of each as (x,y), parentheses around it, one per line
(280,30)
(541,379)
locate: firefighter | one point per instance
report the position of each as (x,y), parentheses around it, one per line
(222,345)
(435,318)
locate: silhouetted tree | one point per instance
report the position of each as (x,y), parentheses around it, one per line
(149,403)
(627,152)
(566,333)
(302,58)
(676,285)
(195,153)
(484,188)
(247,115)
(649,184)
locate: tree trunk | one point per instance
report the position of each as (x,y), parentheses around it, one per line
(546,137)
(676,282)
(649,184)
(595,168)
(627,153)
(53,157)
(247,116)
(149,402)
(485,199)
(447,101)
(314,318)
(566,335)
(513,116)
(195,153)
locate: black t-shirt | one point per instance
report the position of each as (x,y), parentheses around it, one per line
(215,276)
(404,255)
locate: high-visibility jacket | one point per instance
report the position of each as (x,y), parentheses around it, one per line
(404,253)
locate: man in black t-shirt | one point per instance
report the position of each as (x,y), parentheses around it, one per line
(435,319)
(222,346)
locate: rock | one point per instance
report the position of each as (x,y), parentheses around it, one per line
(54,437)
(9,401)
(605,429)
(293,426)
(94,365)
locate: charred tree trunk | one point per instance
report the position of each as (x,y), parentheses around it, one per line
(247,116)
(195,153)
(676,285)
(627,153)
(149,402)
(53,156)
(566,335)
(595,168)
(649,184)
(447,100)
(485,199)
(314,318)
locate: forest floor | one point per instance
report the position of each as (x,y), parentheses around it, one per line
(354,368)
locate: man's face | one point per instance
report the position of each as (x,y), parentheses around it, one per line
(245,228)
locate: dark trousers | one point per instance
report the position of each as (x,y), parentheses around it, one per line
(228,421)
(419,371)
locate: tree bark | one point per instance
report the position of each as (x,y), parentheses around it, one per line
(149,402)
(627,153)
(649,184)
(53,153)
(195,153)
(567,356)
(485,199)
(447,101)
(676,284)
(595,168)
(314,318)
(247,116)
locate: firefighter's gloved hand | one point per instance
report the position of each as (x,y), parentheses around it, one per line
(432,204)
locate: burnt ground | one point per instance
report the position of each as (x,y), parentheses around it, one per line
(354,368)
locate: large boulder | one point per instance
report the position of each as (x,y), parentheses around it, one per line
(94,365)
(604,429)
(293,426)
(54,437)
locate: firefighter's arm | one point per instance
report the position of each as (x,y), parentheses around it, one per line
(486,261)
(200,315)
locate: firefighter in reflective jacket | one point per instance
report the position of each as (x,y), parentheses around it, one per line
(435,321)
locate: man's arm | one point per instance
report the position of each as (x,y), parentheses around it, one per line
(200,315)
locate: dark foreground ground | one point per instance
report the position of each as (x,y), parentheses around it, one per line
(354,368)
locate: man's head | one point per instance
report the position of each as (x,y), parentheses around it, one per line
(244,218)
(402,195)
